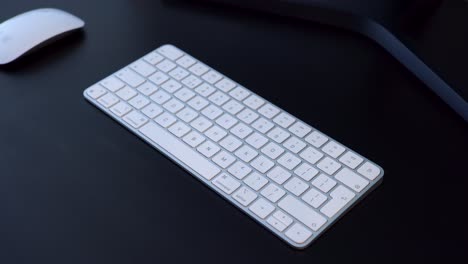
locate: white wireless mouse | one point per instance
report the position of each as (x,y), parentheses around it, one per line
(33,29)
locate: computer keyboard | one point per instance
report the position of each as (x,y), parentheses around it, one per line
(288,176)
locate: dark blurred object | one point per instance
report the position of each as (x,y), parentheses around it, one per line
(402,27)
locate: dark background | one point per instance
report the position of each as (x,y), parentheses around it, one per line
(76,187)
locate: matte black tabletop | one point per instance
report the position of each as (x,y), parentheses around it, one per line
(76,187)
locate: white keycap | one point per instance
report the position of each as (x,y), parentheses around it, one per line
(255,181)
(95,91)
(170,52)
(256,140)
(241,130)
(316,139)
(340,197)
(173,105)
(198,103)
(245,196)
(178,73)
(139,101)
(311,154)
(262,164)
(328,165)
(239,93)
(212,77)
(147,88)
(296,186)
(143,68)
(153,58)
(160,97)
(186,61)
(254,102)
(284,120)
(208,149)
(108,100)
(272,192)
(192,81)
(171,86)
(201,124)
(112,84)
(194,139)
(277,224)
(135,119)
(198,69)
(225,85)
(226,183)
(130,77)
(351,179)
(302,212)
(121,109)
(262,208)
(369,171)
(224,159)
(165,119)
(187,114)
(184,94)
(205,89)
(166,66)
(126,93)
(314,198)
(239,170)
(283,218)
(272,150)
(298,233)
(180,150)
(179,129)
(294,144)
(306,172)
(212,112)
(152,110)
(159,78)
(279,135)
(233,107)
(247,116)
(351,159)
(262,125)
(279,175)
(230,143)
(246,153)
(289,161)
(269,111)
(333,149)
(300,129)
(216,133)
(226,121)
(324,183)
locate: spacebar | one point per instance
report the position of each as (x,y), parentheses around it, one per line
(182,152)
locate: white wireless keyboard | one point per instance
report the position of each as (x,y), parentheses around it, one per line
(285,174)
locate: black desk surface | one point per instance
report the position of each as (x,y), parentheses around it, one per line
(76,187)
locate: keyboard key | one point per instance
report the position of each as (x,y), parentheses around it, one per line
(239,93)
(147,88)
(182,152)
(316,139)
(171,86)
(233,107)
(289,161)
(184,94)
(208,149)
(272,150)
(369,171)
(226,183)
(314,198)
(159,78)
(247,116)
(351,179)
(324,183)
(296,186)
(298,233)
(277,224)
(311,155)
(273,192)
(333,149)
(178,73)
(341,196)
(256,140)
(126,93)
(255,181)
(241,130)
(212,112)
(254,102)
(284,120)
(351,159)
(226,121)
(245,196)
(212,77)
(201,124)
(262,208)
(219,98)
(230,143)
(108,100)
(130,77)
(225,85)
(302,212)
(279,175)
(173,106)
(112,84)
(239,170)
(205,90)
(95,91)
(139,101)
(170,52)
(216,133)
(279,135)
(262,164)
(328,165)
(166,66)
(186,61)
(192,81)
(152,111)
(224,159)
(198,103)
(294,145)
(165,119)
(194,139)
(143,68)
(121,109)
(153,58)
(198,69)
(135,119)
(263,125)
(300,129)
(269,111)
(306,172)
(179,129)
(160,97)
(187,114)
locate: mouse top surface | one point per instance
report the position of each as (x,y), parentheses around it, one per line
(22,33)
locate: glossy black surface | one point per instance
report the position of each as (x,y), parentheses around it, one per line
(75,187)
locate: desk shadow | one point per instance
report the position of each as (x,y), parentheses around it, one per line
(43,56)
